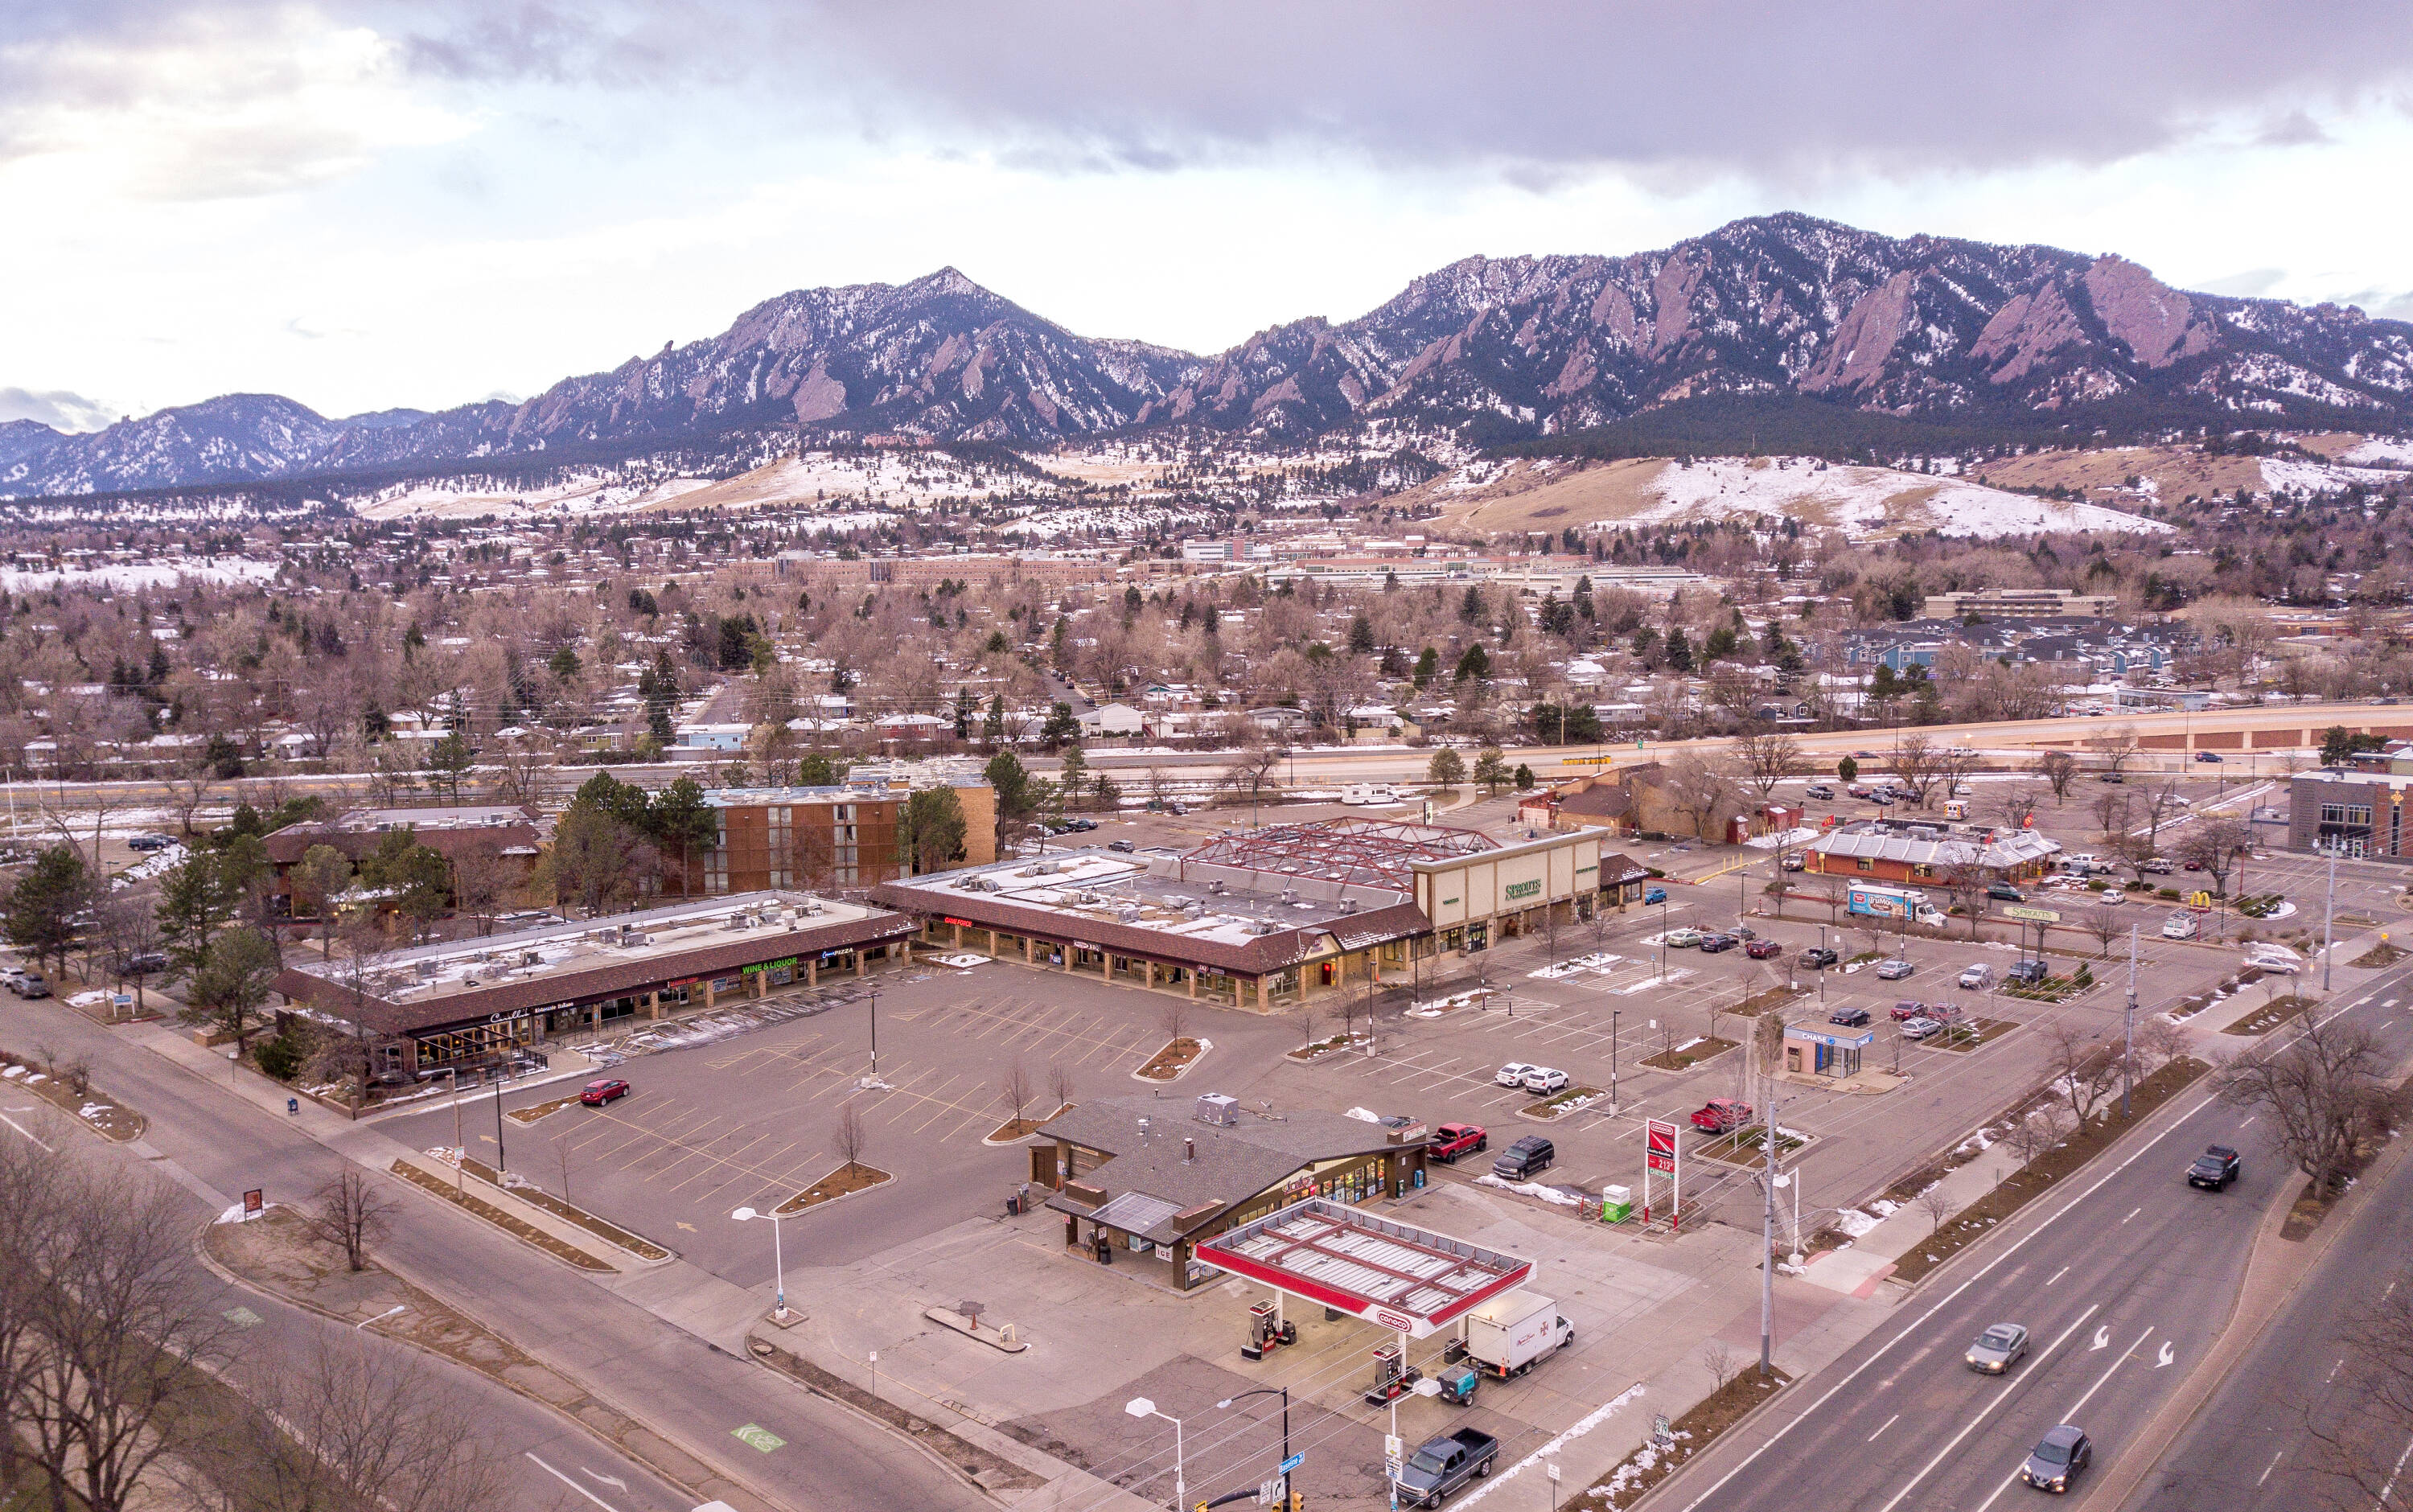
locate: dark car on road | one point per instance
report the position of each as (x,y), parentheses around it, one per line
(2214,1169)
(1849,1017)
(1818,957)
(603,1091)
(1763,950)
(2006,893)
(1525,1159)
(148,842)
(2207,755)
(2058,1457)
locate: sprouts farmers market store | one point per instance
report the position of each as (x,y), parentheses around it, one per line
(468,1005)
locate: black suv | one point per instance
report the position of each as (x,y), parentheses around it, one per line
(1817,958)
(1525,1159)
(2214,1169)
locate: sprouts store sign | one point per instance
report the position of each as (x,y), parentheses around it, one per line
(1516,892)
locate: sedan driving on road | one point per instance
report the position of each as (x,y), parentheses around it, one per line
(2058,1457)
(1997,1349)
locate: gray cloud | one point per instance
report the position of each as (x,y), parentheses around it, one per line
(1813,88)
(2252,284)
(56,407)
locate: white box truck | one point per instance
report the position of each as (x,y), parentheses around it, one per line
(1505,1335)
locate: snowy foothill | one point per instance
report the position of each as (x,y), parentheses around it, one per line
(1865,503)
(131,576)
(2292,475)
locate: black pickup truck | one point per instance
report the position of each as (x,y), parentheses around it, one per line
(1441,1465)
(2213,1169)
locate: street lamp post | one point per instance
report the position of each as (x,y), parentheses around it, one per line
(1767,1248)
(1141,1407)
(1612,1058)
(499,1167)
(1267,1391)
(779,1260)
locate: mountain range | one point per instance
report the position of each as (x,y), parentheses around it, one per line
(1946,331)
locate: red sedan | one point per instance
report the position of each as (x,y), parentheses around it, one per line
(602,1092)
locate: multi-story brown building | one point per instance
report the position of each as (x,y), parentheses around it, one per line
(834,837)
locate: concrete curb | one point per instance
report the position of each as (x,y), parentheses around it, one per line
(2273,1273)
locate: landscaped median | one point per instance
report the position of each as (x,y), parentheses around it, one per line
(68,1088)
(845,1181)
(1175,1060)
(1687,1436)
(2039,1175)
(568,1212)
(518,1228)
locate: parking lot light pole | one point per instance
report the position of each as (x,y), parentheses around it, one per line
(779,1260)
(1267,1391)
(1141,1407)
(1767,1247)
(499,1167)
(2329,918)
(1612,1058)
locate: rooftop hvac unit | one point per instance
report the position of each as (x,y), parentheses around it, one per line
(1215,884)
(1290,894)
(427,969)
(1264,926)
(1220,1110)
(531,958)
(1127,914)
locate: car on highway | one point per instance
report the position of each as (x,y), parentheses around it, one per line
(2214,1169)
(1684,936)
(1818,957)
(1545,1079)
(1655,896)
(2207,755)
(1528,1157)
(1722,1115)
(1849,1017)
(1451,1140)
(1894,970)
(2006,893)
(1921,1029)
(1979,975)
(1712,943)
(148,842)
(603,1090)
(1511,1074)
(2057,1459)
(1997,1349)
(1763,950)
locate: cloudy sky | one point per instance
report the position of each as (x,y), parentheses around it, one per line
(421,203)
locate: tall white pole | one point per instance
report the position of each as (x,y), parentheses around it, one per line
(2329,919)
(2128,1028)
(1768,1249)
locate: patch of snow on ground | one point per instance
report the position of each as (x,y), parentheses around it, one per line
(1799,834)
(2380,451)
(1530,1188)
(1852,1223)
(2295,476)
(1583,1425)
(1865,502)
(235,1213)
(140,575)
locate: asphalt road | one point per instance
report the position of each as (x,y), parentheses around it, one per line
(2123,1284)
(688,1387)
(2250,1446)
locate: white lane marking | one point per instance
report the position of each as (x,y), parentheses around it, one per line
(613,1481)
(2000,1397)
(2250,1123)
(1946,1300)
(22,1130)
(2273,1465)
(2334,1370)
(2388,1003)
(1882,1427)
(2058,1274)
(2385,1490)
(2167,1356)
(2102,1340)
(2070,1415)
(2133,1212)
(572,1484)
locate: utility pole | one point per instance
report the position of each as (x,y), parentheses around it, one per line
(2128,1029)
(1767,1248)
(2328,917)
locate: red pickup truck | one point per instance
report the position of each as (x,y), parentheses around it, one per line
(1451,1140)
(1723,1114)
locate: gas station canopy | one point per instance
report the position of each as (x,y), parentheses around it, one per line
(1410,1280)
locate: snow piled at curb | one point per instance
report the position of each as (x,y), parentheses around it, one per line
(1530,1188)
(1584,1425)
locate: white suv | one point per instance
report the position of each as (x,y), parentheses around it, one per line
(1545,1079)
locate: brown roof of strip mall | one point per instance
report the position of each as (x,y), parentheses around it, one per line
(404,995)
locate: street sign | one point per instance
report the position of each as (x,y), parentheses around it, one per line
(1393,1454)
(1552,1467)
(252,1202)
(1292,1463)
(1269,1492)
(2032,915)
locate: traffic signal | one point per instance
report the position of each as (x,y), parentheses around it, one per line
(1298,1502)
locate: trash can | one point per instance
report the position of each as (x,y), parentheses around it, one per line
(1616,1203)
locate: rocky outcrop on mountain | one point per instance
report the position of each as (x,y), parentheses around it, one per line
(1931,327)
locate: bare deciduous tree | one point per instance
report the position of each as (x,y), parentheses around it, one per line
(2361,1452)
(1936,1204)
(480,877)
(2057,768)
(2214,844)
(2104,924)
(2037,1133)
(350,1214)
(2324,1094)
(1917,765)
(2110,811)
(1723,1360)
(1014,1087)
(2015,804)
(1174,1016)
(2084,1073)
(852,1136)
(1767,760)
(1060,1085)
(2116,747)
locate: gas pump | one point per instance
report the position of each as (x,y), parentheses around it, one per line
(1267,1330)
(1393,1376)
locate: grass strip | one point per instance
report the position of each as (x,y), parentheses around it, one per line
(518,1228)
(102,1114)
(2271,1014)
(569,1212)
(1685,1056)
(2041,1175)
(1699,1428)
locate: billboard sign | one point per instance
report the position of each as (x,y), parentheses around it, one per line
(1878,902)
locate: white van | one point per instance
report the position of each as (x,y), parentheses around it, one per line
(2182,926)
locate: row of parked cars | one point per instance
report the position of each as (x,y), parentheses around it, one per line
(1709,943)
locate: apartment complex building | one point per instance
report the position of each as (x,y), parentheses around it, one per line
(834,837)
